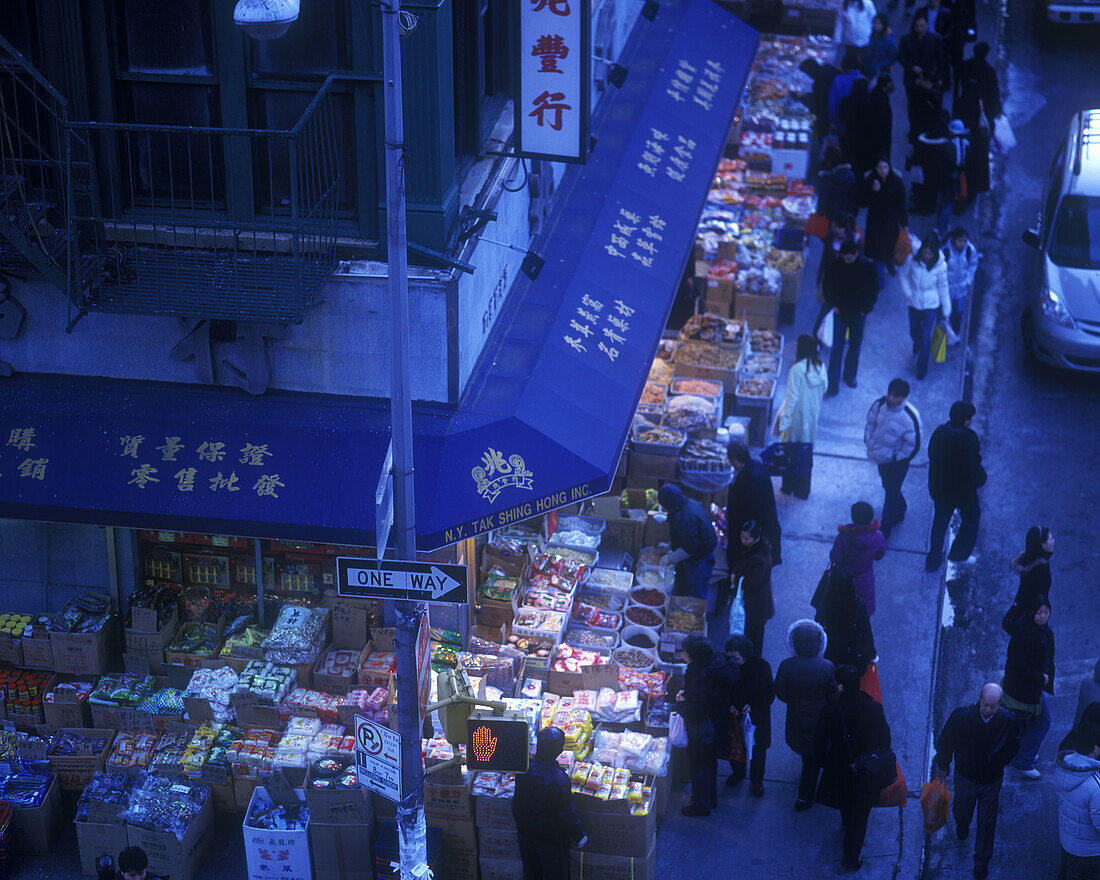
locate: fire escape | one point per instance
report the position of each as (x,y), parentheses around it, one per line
(217,223)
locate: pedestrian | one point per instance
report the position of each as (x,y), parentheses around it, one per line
(796,420)
(850,286)
(923,57)
(881,124)
(751,496)
(752,694)
(923,279)
(851,725)
(842,229)
(962,265)
(1032,564)
(836,188)
(893,438)
(856,548)
(842,85)
(704,704)
(853,28)
(804,681)
(934,152)
(854,128)
(940,21)
(546,816)
(1089,693)
(133,864)
(692,539)
(842,614)
(982,738)
(1029,677)
(754,574)
(1077,775)
(882,48)
(979,104)
(955,474)
(822,75)
(884,196)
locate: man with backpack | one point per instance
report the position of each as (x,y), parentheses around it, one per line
(893,438)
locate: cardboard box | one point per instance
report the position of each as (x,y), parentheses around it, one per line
(336,684)
(448,801)
(723,308)
(615,832)
(180,859)
(513,566)
(36,828)
(498,843)
(792,287)
(140,641)
(753,305)
(94,839)
(648,464)
(351,625)
(85,653)
(289,848)
(495,812)
(460,849)
(222,795)
(501,869)
(341,852)
(37,653)
(376,679)
(11,651)
(71,715)
(252,713)
(719,290)
(74,772)
(589,678)
(329,806)
(589,865)
(243,787)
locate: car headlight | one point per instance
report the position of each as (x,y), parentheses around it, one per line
(1054,307)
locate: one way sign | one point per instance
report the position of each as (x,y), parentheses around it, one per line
(398,579)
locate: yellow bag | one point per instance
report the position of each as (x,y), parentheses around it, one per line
(939,344)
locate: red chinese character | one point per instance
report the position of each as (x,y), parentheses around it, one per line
(550,101)
(550,47)
(558,7)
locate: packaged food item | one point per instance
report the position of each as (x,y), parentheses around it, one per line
(297,636)
(164,803)
(214,686)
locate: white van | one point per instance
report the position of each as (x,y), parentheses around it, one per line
(1061,326)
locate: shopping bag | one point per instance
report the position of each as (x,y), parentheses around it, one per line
(903,247)
(1003,137)
(817,225)
(935,800)
(869,684)
(949,331)
(895,794)
(677,731)
(749,731)
(939,344)
(826,329)
(960,187)
(736,739)
(787,459)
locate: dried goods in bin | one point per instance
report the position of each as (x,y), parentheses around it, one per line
(705,354)
(691,413)
(700,387)
(712,328)
(761,341)
(756,386)
(660,437)
(704,455)
(653,393)
(660,373)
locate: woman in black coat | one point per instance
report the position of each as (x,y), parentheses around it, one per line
(846,621)
(979,104)
(754,575)
(884,196)
(1032,564)
(1029,677)
(753,692)
(851,725)
(856,136)
(704,704)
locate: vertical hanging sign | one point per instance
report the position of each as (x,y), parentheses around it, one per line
(553,79)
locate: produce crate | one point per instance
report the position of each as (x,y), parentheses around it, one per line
(745,400)
(658,448)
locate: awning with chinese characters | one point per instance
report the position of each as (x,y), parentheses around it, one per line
(545,414)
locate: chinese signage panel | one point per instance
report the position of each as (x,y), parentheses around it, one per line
(552,96)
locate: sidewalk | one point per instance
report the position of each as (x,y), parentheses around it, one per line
(765,837)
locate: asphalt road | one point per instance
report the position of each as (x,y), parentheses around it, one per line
(1039,429)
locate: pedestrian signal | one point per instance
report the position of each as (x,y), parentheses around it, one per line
(497,742)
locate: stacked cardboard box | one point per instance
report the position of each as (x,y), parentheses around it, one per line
(621,846)
(498,840)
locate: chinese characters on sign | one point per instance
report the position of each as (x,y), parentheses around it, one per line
(551,102)
(690,83)
(225,479)
(24,459)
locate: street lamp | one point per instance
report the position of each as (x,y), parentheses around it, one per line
(265,19)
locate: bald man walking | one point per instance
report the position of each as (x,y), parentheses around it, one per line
(982,738)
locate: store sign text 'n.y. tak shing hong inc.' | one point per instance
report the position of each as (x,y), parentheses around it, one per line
(552,91)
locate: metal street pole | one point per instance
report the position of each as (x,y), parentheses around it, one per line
(411,831)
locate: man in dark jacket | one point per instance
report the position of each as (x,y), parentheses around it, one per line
(753,693)
(850,285)
(704,704)
(546,817)
(751,497)
(924,58)
(955,474)
(850,726)
(982,738)
(693,540)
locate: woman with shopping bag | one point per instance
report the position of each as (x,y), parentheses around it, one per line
(796,421)
(751,696)
(924,282)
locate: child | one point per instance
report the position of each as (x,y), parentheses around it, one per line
(858,544)
(962,265)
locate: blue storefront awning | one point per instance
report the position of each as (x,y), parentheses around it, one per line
(545,414)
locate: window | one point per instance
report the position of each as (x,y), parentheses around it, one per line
(482,69)
(167,37)
(315,45)
(1075,242)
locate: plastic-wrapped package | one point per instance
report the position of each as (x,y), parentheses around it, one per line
(270,682)
(108,788)
(214,686)
(166,701)
(164,803)
(24,789)
(297,636)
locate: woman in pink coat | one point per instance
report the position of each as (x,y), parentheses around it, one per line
(858,544)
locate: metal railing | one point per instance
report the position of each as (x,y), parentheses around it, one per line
(220,223)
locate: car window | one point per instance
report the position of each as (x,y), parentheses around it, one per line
(1075,241)
(1054,187)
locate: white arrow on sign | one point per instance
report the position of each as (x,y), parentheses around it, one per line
(437,583)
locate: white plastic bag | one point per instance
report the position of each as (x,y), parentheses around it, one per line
(677,731)
(1003,137)
(750,735)
(949,332)
(826,329)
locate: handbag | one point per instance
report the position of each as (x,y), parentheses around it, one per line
(869,684)
(786,459)
(700,733)
(827,328)
(903,247)
(737,751)
(874,770)
(677,731)
(895,794)
(749,731)
(817,225)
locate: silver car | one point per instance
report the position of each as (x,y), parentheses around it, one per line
(1061,326)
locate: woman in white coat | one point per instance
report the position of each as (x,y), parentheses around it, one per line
(854,24)
(924,282)
(796,421)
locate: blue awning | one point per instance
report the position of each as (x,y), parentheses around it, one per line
(547,409)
